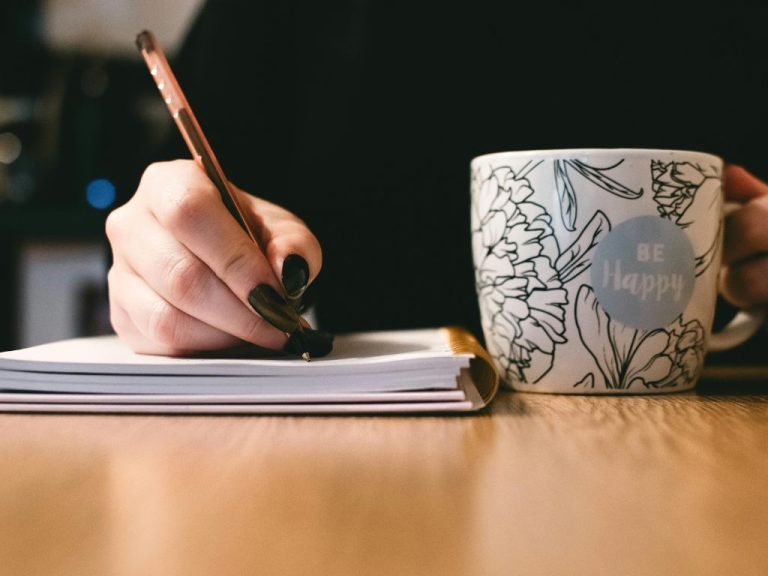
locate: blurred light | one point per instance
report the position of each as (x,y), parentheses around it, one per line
(10,148)
(108,27)
(100,193)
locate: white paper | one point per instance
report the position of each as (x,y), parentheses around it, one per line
(367,372)
(367,352)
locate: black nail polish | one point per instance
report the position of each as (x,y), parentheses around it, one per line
(307,299)
(295,275)
(274,309)
(314,342)
(304,342)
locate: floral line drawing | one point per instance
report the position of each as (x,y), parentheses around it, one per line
(567,193)
(520,271)
(703,261)
(682,190)
(629,357)
(576,258)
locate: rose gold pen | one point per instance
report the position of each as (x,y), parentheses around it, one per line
(187,123)
(201,151)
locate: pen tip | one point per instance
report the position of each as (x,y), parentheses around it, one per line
(305,356)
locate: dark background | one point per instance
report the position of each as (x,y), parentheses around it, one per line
(82,115)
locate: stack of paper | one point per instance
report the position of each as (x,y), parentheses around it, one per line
(419,370)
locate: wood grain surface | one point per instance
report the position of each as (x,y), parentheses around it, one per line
(539,484)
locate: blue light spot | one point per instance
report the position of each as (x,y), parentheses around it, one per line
(100,193)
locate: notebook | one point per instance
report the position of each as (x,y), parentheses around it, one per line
(430,370)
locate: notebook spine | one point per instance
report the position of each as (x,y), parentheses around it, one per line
(482,369)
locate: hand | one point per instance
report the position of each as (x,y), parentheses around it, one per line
(183,267)
(746,239)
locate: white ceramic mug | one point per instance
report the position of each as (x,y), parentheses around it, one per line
(597,269)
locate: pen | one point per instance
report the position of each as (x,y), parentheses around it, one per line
(275,310)
(185,120)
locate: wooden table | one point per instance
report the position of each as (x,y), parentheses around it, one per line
(537,485)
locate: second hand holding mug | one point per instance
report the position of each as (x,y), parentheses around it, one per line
(597,269)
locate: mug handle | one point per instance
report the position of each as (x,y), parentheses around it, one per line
(744,324)
(738,330)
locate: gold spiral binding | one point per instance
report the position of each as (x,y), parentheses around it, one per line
(482,369)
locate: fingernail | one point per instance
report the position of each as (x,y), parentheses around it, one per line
(307,299)
(295,275)
(273,308)
(315,343)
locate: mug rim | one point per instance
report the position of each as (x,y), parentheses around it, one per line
(635,152)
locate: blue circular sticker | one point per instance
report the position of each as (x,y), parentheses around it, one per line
(643,272)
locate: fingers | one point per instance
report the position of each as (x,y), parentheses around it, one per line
(184,268)
(741,186)
(177,277)
(192,212)
(150,325)
(745,252)
(746,284)
(746,231)
(293,252)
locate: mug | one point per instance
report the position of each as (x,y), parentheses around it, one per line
(597,270)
